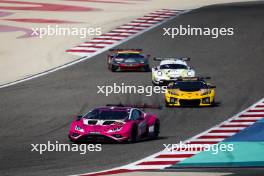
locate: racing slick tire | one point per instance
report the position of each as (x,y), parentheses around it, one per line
(134,134)
(112,68)
(156,129)
(213,104)
(167,104)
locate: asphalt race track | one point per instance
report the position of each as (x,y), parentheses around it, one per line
(42,109)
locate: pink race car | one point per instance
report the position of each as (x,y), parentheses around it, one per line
(114,123)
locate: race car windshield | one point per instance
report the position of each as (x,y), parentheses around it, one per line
(173,66)
(107,115)
(129,55)
(189,86)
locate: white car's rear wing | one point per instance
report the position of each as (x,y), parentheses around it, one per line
(172,58)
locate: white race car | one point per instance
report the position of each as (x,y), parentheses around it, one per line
(170,69)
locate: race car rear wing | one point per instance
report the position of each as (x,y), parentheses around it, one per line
(172,58)
(140,106)
(126,49)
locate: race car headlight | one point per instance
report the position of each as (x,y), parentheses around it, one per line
(190,73)
(116,129)
(77,128)
(159,73)
(206,100)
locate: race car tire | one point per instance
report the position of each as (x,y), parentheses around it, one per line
(156,129)
(167,104)
(113,68)
(213,104)
(134,134)
(146,134)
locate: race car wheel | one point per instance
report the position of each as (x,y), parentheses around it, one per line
(134,134)
(213,104)
(167,104)
(146,134)
(113,68)
(156,129)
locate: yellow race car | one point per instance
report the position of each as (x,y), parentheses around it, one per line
(190,92)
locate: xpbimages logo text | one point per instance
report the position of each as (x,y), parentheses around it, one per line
(130,89)
(56,30)
(213,148)
(59,147)
(189,30)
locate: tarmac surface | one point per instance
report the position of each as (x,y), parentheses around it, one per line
(41,110)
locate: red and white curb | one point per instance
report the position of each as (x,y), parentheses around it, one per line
(214,135)
(123,33)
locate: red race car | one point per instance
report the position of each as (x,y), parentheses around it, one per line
(127,60)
